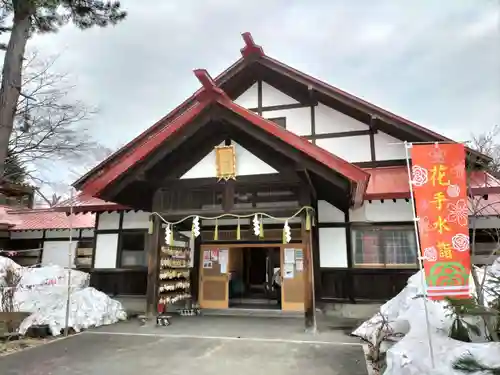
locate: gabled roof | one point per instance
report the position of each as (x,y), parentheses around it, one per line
(254,54)
(210,95)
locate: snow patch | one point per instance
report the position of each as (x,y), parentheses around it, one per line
(44,291)
(402,324)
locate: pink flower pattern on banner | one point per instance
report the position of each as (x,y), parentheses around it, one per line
(430,254)
(453,191)
(458,212)
(460,242)
(425,226)
(419,175)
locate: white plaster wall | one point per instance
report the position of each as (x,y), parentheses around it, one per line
(272,96)
(388,148)
(249,99)
(136,220)
(332,247)
(57,253)
(328,120)
(328,213)
(26,235)
(298,120)
(378,211)
(61,233)
(246,164)
(109,220)
(353,149)
(86,233)
(106,249)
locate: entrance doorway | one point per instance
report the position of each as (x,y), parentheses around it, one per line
(252,276)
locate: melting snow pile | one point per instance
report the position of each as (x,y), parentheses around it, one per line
(401,323)
(44,291)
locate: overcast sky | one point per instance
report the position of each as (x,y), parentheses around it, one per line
(435,62)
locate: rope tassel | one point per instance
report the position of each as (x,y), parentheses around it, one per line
(238,230)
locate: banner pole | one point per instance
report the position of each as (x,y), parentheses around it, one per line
(70,265)
(420,256)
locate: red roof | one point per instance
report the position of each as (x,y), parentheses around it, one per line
(393,183)
(38,219)
(485,207)
(212,94)
(85,203)
(254,53)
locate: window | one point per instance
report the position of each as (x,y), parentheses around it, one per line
(281,121)
(133,249)
(84,252)
(383,247)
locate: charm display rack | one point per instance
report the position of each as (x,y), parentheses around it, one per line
(174,283)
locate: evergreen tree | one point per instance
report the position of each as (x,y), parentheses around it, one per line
(31,16)
(15,171)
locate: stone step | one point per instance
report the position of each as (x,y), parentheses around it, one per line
(264,313)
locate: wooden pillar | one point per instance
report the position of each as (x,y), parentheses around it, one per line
(309,298)
(153,244)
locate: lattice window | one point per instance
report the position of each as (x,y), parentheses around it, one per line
(384,247)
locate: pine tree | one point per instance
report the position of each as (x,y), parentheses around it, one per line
(42,16)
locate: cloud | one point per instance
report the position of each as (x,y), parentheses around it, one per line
(434,62)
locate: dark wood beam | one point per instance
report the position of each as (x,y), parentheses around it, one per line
(314,103)
(309,182)
(352,133)
(280,107)
(275,211)
(153,244)
(380,163)
(251,180)
(373,130)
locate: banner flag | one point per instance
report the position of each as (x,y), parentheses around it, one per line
(441,202)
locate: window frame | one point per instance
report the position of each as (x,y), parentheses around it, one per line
(124,233)
(378,229)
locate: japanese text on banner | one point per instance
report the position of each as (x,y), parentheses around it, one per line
(440,193)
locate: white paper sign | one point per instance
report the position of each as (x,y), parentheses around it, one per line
(289,256)
(299,254)
(289,271)
(223,260)
(299,265)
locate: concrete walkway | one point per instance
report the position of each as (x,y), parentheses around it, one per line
(195,345)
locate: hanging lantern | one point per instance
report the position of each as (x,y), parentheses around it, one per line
(256,225)
(287,235)
(195,227)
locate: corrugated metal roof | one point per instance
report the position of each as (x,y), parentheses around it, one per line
(38,219)
(392,183)
(86,203)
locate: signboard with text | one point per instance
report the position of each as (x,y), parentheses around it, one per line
(440,193)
